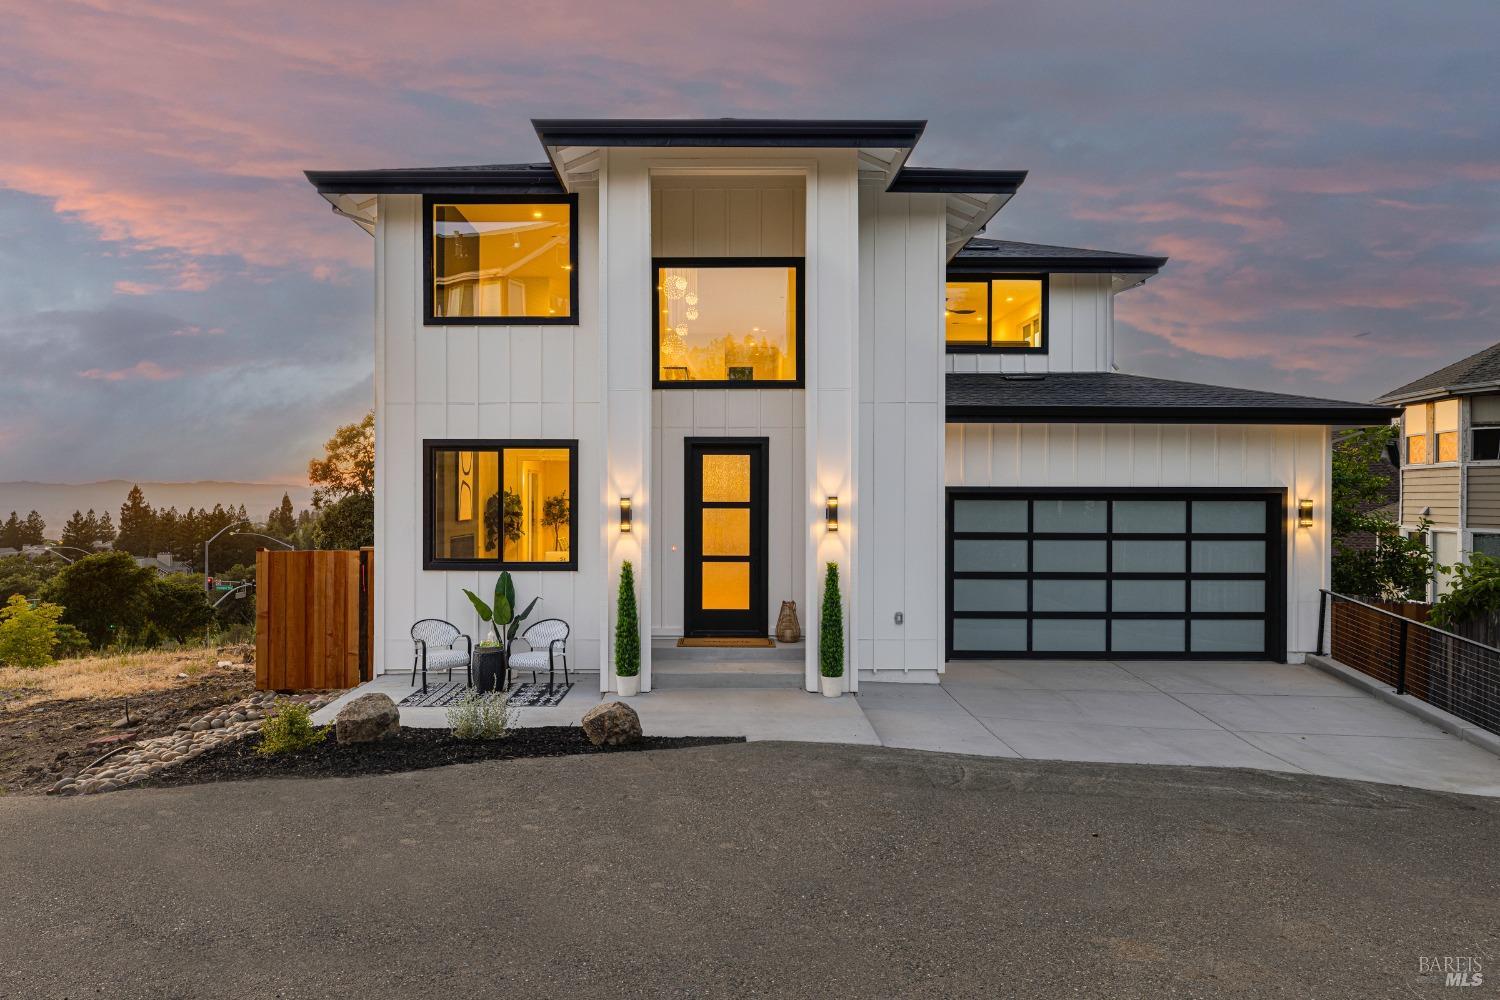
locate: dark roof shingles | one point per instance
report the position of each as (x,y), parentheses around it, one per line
(1011,252)
(1116,396)
(1478,369)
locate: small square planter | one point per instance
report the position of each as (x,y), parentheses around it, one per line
(628,687)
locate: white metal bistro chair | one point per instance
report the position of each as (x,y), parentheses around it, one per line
(546,645)
(433,642)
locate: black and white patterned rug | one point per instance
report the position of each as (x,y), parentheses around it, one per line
(522,696)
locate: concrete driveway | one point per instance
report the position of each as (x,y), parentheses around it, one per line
(752,870)
(1279,717)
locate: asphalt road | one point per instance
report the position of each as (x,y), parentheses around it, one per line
(772,870)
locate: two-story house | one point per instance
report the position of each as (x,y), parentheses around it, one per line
(732,351)
(1450,449)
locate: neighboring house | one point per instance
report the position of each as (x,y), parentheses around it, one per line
(1450,470)
(164,563)
(732,351)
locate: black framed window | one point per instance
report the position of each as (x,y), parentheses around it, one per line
(727,322)
(489,504)
(506,260)
(996,312)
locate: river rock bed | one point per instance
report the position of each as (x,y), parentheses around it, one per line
(224,725)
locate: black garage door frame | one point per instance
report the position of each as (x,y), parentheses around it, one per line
(1274,575)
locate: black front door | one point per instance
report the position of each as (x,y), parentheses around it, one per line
(725,568)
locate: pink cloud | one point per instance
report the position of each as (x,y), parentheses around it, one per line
(135,288)
(150,371)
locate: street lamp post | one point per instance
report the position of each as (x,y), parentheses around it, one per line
(256,534)
(72,548)
(216,534)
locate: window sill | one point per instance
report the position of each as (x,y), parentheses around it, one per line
(987,349)
(501,321)
(494,566)
(697,384)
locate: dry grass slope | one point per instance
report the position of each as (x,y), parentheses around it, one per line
(115,676)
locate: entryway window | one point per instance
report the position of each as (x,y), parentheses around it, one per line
(500,504)
(727,322)
(503,261)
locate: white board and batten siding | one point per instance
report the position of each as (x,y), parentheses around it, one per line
(1170,455)
(434,382)
(744,216)
(900,544)
(1080,331)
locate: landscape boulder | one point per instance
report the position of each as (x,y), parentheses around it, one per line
(368,718)
(612,724)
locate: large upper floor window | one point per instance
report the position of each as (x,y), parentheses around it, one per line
(996,313)
(728,321)
(1431,432)
(500,504)
(501,260)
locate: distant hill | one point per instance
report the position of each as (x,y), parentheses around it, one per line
(56,502)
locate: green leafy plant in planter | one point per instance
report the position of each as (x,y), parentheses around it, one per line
(831,634)
(509,523)
(500,614)
(290,729)
(627,635)
(555,513)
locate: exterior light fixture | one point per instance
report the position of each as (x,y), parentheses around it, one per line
(627,516)
(1304,513)
(831,512)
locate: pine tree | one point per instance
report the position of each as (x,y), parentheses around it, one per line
(137,525)
(282,521)
(77,532)
(10,534)
(831,632)
(35,531)
(104,529)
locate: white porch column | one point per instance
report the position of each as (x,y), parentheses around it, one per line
(625,352)
(832,365)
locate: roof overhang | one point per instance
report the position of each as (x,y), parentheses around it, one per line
(1072,265)
(973,197)
(354,194)
(1438,392)
(1086,404)
(573,144)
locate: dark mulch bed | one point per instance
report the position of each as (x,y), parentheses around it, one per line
(411,750)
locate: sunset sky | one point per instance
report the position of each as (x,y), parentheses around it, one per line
(177,303)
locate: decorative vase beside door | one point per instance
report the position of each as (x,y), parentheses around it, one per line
(788,629)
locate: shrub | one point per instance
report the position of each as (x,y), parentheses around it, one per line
(627,626)
(178,607)
(1475,593)
(831,631)
(70,642)
(476,716)
(290,729)
(104,595)
(27,634)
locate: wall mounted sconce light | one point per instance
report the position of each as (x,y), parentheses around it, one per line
(1304,513)
(627,516)
(831,513)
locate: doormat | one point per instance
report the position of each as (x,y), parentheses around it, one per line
(538,696)
(726,642)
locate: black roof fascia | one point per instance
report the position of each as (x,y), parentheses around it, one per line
(943,180)
(1074,265)
(436,180)
(790,132)
(1352,414)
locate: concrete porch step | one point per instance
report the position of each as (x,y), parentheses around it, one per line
(666,650)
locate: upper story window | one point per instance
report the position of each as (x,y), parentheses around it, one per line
(494,259)
(727,321)
(1484,428)
(500,504)
(996,313)
(1431,432)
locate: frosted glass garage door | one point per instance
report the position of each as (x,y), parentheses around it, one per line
(1127,574)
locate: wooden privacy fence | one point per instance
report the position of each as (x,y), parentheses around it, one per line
(314,619)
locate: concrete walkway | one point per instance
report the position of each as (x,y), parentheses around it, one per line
(1275,717)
